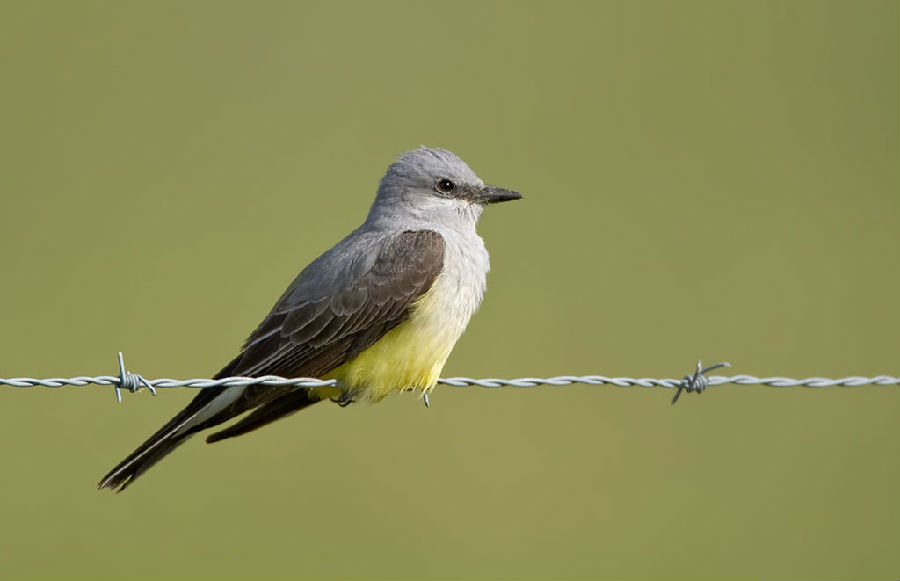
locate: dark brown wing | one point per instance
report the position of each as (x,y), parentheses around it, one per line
(310,338)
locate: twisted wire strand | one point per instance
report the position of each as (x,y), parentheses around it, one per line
(695,382)
(491,382)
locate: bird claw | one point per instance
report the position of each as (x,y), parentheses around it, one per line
(345,399)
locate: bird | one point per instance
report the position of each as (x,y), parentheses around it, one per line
(379,312)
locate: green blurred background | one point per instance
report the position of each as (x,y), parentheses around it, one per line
(702,179)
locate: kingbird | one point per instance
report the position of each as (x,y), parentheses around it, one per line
(379,312)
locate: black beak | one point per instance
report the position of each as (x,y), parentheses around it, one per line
(493,195)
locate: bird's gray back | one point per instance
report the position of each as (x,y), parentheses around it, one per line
(466,263)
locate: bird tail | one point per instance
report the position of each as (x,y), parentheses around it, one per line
(199,414)
(203,411)
(206,410)
(211,407)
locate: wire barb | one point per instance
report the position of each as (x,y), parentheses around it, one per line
(130,381)
(697,382)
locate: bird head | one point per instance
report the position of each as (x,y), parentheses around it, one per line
(436,183)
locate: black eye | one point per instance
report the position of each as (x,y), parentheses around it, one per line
(445,186)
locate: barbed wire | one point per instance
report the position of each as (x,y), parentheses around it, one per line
(695,382)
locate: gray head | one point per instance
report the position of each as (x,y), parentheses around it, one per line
(434,185)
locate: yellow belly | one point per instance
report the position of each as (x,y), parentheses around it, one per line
(410,356)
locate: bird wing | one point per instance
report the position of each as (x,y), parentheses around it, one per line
(305,337)
(315,327)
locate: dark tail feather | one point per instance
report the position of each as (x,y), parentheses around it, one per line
(173,434)
(166,439)
(278,408)
(157,446)
(141,460)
